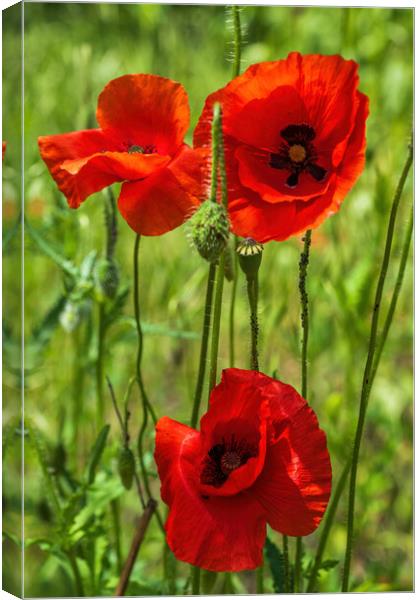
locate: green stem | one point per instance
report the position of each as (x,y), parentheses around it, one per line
(214,348)
(99,367)
(237,40)
(252,290)
(328,523)
(76,574)
(367,375)
(286,563)
(147,407)
(260,579)
(303,271)
(196,581)
(395,295)
(204,345)
(116,521)
(232,305)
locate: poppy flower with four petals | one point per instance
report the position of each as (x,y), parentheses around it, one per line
(143,120)
(294,134)
(259,457)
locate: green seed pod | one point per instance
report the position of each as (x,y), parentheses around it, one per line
(209,230)
(107,278)
(126,467)
(250,256)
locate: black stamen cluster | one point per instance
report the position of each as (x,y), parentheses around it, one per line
(213,473)
(297,135)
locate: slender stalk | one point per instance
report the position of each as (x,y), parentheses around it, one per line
(204,345)
(76,574)
(286,562)
(116,522)
(236,67)
(252,290)
(237,41)
(367,375)
(260,579)
(328,523)
(303,271)
(214,348)
(138,537)
(99,367)
(147,407)
(232,305)
(395,295)
(196,573)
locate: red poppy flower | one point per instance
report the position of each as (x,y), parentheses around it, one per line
(295,142)
(3,149)
(258,458)
(143,120)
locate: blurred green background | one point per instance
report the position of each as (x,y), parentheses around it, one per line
(71,52)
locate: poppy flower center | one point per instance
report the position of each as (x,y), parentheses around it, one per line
(230,461)
(223,458)
(148,149)
(297,154)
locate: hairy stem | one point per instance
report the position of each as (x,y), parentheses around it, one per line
(99,367)
(146,406)
(237,41)
(204,345)
(304,316)
(367,375)
(252,290)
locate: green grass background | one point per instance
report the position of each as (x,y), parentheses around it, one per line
(71,52)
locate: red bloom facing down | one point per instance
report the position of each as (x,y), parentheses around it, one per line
(258,458)
(295,142)
(143,120)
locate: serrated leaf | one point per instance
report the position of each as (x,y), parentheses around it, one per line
(327,565)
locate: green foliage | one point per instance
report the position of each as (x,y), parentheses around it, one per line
(277,567)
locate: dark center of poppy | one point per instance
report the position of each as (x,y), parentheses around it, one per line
(148,149)
(230,461)
(297,154)
(223,458)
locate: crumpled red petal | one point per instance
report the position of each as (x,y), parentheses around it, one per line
(165,199)
(145,110)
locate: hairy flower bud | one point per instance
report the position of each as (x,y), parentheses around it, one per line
(126,467)
(209,230)
(107,278)
(250,256)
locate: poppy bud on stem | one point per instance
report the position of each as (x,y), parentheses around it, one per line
(250,256)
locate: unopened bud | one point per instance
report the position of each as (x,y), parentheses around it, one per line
(107,278)
(126,467)
(209,230)
(250,256)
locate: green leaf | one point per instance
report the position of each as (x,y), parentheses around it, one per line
(49,250)
(96,453)
(277,566)
(327,565)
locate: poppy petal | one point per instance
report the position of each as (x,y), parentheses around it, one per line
(165,199)
(55,149)
(212,533)
(145,110)
(242,419)
(295,485)
(353,160)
